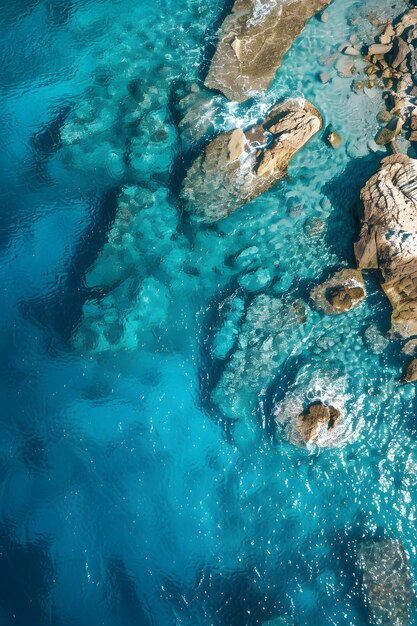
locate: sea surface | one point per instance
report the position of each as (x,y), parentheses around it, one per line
(128,495)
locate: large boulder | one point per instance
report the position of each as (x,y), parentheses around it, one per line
(253,40)
(388,237)
(239,165)
(342,292)
(315,410)
(387,581)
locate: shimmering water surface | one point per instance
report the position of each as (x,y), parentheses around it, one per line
(132,492)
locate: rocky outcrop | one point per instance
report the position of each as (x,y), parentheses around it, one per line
(241,164)
(387,581)
(313,412)
(253,40)
(316,417)
(388,237)
(342,292)
(410,375)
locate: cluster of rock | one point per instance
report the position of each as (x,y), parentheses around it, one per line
(240,165)
(387,581)
(393,65)
(253,40)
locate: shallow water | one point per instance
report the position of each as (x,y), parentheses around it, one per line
(129,496)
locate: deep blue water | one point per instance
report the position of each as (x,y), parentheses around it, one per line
(128,496)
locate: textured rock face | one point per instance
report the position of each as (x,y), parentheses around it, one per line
(342,292)
(252,42)
(240,165)
(410,375)
(387,581)
(314,418)
(388,237)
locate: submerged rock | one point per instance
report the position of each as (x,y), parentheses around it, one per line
(270,325)
(240,165)
(375,340)
(252,42)
(388,237)
(342,292)
(387,581)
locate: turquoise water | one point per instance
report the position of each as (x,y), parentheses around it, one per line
(136,490)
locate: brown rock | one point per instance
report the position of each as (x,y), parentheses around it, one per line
(410,375)
(379,48)
(344,298)
(316,415)
(252,44)
(388,237)
(410,347)
(238,166)
(390,132)
(236,144)
(342,292)
(384,116)
(334,139)
(402,49)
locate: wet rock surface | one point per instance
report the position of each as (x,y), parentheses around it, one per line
(314,418)
(253,40)
(240,165)
(410,375)
(388,237)
(387,581)
(314,410)
(342,292)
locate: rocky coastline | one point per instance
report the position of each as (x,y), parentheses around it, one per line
(240,165)
(252,42)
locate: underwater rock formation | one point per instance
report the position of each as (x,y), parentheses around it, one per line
(240,165)
(342,292)
(128,299)
(262,342)
(388,237)
(314,411)
(387,581)
(253,40)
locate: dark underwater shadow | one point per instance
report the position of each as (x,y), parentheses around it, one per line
(227,598)
(44,143)
(122,596)
(343,191)
(211,368)
(26,578)
(60,314)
